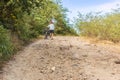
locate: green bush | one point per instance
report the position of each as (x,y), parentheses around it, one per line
(23,32)
(106,27)
(6,47)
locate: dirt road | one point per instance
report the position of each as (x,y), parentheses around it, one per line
(65,58)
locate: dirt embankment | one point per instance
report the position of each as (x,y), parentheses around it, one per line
(65,58)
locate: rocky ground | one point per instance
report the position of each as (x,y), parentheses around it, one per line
(65,58)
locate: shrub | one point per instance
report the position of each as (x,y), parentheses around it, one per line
(6,47)
(104,27)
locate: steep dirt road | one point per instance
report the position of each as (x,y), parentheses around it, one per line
(65,58)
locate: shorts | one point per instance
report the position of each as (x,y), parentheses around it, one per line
(51,31)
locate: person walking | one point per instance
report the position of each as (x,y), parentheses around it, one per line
(51,27)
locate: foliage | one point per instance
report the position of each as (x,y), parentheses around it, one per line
(30,17)
(6,47)
(102,26)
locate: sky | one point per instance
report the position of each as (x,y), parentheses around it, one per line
(86,6)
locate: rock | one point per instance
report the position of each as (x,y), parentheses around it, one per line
(71,46)
(60,48)
(64,48)
(85,78)
(85,55)
(117,62)
(113,73)
(74,65)
(75,56)
(78,48)
(47,46)
(53,68)
(99,50)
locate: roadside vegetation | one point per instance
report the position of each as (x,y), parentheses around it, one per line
(101,26)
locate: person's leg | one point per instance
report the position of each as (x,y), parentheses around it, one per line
(51,35)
